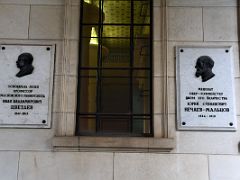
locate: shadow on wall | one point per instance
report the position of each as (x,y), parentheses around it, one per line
(239,147)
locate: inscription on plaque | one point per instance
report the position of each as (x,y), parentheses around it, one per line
(205,88)
(26,75)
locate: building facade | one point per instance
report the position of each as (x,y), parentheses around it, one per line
(167,153)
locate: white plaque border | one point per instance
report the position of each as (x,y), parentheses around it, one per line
(48,123)
(181,127)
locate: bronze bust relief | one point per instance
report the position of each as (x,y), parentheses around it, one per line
(204,67)
(24,63)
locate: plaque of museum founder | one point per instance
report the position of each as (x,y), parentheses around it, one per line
(205,88)
(26,76)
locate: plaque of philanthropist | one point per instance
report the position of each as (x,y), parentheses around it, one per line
(205,88)
(26,75)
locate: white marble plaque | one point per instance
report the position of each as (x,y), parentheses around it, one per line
(205,88)
(26,76)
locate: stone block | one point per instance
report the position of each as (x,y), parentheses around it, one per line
(158,122)
(172,126)
(158,61)
(237,97)
(192,3)
(156,3)
(172,95)
(208,142)
(157,22)
(71,124)
(71,67)
(33,2)
(171,59)
(65,165)
(59,59)
(9,165)
(16,2)
(161,144)
(57,94)
(160,166)
(46,22)
(65,94)
(73,18)
(114,143)
(47,2)
(66,141)
(71,94)
(158,95)
(220,24)
(64,123)
(75,2)
(22,139)
(185,24)
(222,167)
(14,21)
(59,119)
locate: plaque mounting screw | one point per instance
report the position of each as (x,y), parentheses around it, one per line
(230,124)
(183,123)
(226,50)
(3,48)
(181,50)
(48,48)
(44,121)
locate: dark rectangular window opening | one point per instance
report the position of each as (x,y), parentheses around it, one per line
(115,68)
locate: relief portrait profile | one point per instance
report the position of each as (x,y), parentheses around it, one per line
(204,66)
(24,63)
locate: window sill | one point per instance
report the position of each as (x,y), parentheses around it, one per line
(124,144)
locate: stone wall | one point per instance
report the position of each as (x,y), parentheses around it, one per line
(27,154)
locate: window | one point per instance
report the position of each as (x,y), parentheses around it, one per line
(115,68)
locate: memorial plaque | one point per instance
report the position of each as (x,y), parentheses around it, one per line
(205,88)
(26,75)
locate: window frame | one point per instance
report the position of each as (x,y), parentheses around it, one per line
(65,120)
(98,114)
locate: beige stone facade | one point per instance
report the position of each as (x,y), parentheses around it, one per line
(56,154)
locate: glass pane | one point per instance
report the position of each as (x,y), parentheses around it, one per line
(141,125)
(90,12)
(116,31)
(87,95)
(141,92)
(107,31)
(115,91)
(87,124)
(117,56)
(141,12)
(117,11)
(115,95)
(116,43)
(90,53)
(89,73)
(115,73)
(141,31)
(89,31)
(142,56)
(115,124)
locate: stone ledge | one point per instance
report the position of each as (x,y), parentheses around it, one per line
(198,3)
(115,144)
